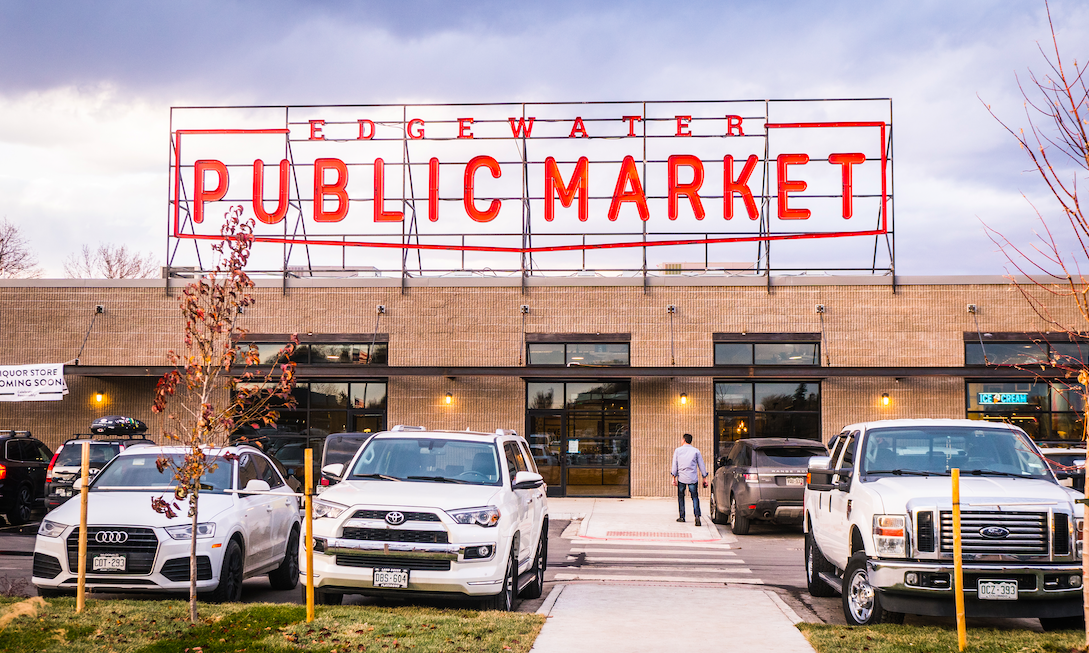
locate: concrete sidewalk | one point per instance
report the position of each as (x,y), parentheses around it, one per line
(635,617)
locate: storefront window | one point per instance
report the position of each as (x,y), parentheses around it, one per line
(1046,411)
(767,353)
(765,410)
(317,353)
(1035,352)
(579,353)
(323,407)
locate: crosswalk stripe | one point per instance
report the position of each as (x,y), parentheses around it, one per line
(669,579)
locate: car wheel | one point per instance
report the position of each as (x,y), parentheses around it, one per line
(717,515)
(815,564)
(1050,624)
(536,586)
(322,597)
(740,522)
(229,589)
(22,504)
(504,600)
(286,576)
(861,602)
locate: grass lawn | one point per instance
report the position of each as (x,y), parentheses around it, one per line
(888,638)
(31,625)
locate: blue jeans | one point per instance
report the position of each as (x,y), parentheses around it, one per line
(693,490)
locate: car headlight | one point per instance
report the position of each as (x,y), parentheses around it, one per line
(889,535)
(327,509)
(51,528)
(185,532)
(486,517)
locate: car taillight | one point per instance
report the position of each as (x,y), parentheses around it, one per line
(324,481)
(3,472)
(49,470)
(751,477)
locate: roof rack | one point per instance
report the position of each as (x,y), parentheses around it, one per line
(506,432)
(16,434)
(406,427)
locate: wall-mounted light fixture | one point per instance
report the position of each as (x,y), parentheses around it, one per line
(449,398)
(100,396)
(885,399)
(684,399)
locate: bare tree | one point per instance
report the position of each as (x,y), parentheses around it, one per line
(111,262)
(212,397)
(16,259)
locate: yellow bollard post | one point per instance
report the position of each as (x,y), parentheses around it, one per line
(308,491)
(958,563)
(85,463)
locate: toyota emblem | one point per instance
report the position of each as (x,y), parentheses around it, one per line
(111,537)
(994,532)
(395,518)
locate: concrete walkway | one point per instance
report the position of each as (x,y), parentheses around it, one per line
(634,617)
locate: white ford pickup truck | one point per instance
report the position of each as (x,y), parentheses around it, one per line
(879,524)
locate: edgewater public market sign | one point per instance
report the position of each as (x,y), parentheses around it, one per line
(535,177)
(32,382)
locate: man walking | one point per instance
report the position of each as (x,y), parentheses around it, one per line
(687,461)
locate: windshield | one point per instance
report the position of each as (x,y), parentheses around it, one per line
(787,456)
(936,450)
(341,448)
(428,460)
(141,472)
(71,455)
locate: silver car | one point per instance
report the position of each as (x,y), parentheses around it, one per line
(761,479)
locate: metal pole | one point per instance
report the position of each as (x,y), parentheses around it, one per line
(308,464)
(958,563)
(1085,562)
(85,463)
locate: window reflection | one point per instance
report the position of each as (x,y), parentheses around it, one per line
(542,396)
(758,410)
(574,353)
(786,354)
(733,353)
(1005,353)
(368,395)
(546,354)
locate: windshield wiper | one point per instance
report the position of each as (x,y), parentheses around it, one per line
(381,476)
(437,479)
(905,472)
(991,472)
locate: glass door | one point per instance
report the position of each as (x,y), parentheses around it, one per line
(545,443)
(368,422)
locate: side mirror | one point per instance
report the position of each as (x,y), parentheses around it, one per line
(257,485)
(527,481)
(721,461)
(77,485)
(819,463)
(335,470)
(818,477)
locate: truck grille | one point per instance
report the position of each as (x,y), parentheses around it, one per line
(1061,540)
(347,560)
(924,538)
(139,547)
(1027,533)
(409,516)
(384,535)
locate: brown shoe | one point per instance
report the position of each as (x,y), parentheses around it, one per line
(680,519)
(698,522)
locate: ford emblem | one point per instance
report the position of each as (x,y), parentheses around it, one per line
(395,518)
(994,532)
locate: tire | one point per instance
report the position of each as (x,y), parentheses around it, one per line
(322,597)
(1050,624)
(229,589)
(861,603)
(286,576)
(716,515)
(540,561)
(504,600)
(815,564)
(740,522)
(21,506)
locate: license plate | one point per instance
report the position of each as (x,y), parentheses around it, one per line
(795,480)
(997,590)
(321,488)
(108,562)
(397,578)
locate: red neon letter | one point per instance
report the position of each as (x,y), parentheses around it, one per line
(631,123)
(433,190)
(321,189)
(419,133)
(578,128)
(739,186)
(470,199)
(259,192)
(579,184)
(200,196)
(690,190)
(366,130)
(788,186)
(380,212)
(315,130)
(847,160)
(629,176)
(682,125)
(732,123)
(522,127)
(465,127)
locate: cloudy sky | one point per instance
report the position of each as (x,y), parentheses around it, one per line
(85,90)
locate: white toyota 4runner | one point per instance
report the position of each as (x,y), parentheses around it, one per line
(452,513)
(879,524)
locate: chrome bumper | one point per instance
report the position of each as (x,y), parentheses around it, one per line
(888,576)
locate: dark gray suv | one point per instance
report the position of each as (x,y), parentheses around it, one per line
(761,479)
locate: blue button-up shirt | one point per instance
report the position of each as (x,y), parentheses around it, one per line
(686,462)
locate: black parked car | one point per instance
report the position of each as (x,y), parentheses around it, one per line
(287,448)
(23,461)
(64,468)
(339,448)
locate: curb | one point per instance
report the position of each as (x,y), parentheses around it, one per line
(550,601)
(786,609)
